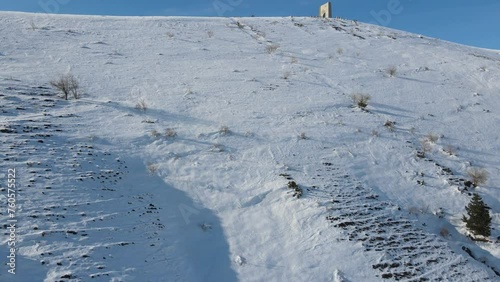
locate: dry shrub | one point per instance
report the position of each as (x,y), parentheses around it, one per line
(450,150)
(224,130)
(391,71)
(217,148)
(270,49)
(170,133)
(155,134)
(67,84)
(432,137)
(389,124)
(477,175)
(444,232)
(141,105)
(425,146)
(286,75)
(152,168)
(360,100)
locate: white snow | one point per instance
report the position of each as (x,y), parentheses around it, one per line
(250,104)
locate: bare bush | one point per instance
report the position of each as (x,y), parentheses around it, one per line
(141,105)
(418,210)
(155,134)
(297,190)
(432,137)
(444,232)
(152,168)
(33,26)
(450,150)
(391,71)
(205,227)
(270,49)
(224,130)
(286,75)
(210,33)
(302,136)
(293,60)
(360,100)
(340,51)
(217,148)
(426,146)
(188,91)
(170,133)
(67,84)
(477,175)
(389,124)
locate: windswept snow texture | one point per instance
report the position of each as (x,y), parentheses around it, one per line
(193,184)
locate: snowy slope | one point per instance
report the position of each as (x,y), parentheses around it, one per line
(104,195)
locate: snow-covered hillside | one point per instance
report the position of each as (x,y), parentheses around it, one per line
(194,186)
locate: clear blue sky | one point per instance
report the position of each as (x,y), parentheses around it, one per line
(470,22)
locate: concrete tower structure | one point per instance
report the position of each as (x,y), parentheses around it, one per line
(325,11)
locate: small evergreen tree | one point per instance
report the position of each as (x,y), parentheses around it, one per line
(479,220)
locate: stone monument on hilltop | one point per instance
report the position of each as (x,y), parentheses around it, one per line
(325,11)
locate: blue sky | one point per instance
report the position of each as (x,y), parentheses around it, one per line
(470,22)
